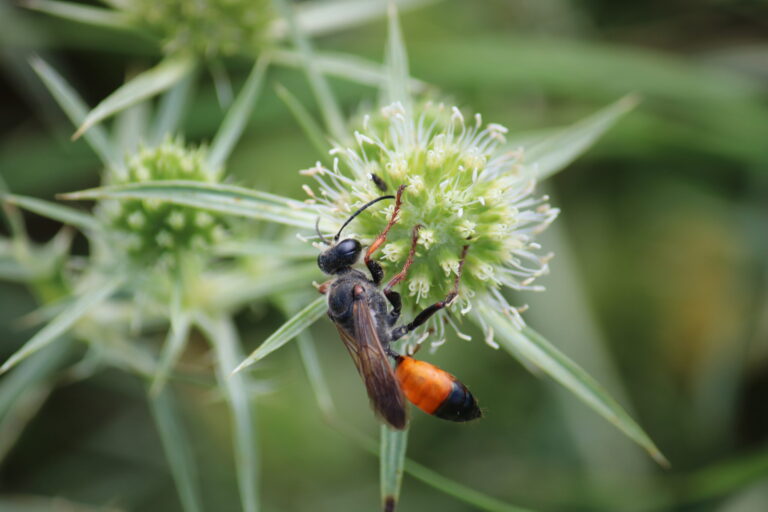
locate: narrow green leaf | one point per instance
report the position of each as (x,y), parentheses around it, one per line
(100,17)
(63,321)
(311,129)
(171,109)
(131,128)
(459,491)
(319,18)
(228,199)
(76,109)
(34,370)
(317,381)
(531,346)
(172,349)
(177,447)
(556,151)
(142,86)
(237,116)
(328,106)
(289,330)
(392,462)
(397,63)
(54,211)
(349,67)
(223,336)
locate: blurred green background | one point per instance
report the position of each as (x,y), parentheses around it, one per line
(659,287)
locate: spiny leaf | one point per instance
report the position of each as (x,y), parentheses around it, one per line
(392,462)
(237,116)
(311,129)
(550,155)
(289,330)
(318,18)
(531,346)
(171,109)
(59,325)
(172,349)
(228,199)
(178,448)
(397,63)
(328,105)
(223,336)
(54,211)
(142,86)
(76,109)
(350,67)
(107,18)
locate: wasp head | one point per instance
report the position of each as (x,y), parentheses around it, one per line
(340,256)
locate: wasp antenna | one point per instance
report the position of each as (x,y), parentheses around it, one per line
(317,230)
(358,212)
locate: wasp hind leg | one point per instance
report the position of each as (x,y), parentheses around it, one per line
(427,312)
(377,274)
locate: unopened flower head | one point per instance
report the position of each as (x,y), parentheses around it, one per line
(206,28)
(463,186)
(157,230)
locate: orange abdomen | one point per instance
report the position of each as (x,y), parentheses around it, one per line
(435,391)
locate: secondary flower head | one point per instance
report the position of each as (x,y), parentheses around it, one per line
(158,231)
(205,28)
(464,187)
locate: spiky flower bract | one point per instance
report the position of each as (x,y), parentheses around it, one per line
(157,231)
(463,186)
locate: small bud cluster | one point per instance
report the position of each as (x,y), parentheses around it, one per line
(205,28)
(464,187)
(155,230)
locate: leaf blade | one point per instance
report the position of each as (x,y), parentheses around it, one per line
(142,86)
(54,211)
(76,110)
(176,445)
(237,116)
(530,345)
(392,464)
(328,105)
(559,149)
(285,333)
(223,336)
(62,322)
(228,199)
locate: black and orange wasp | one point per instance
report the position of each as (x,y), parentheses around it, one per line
(359,310)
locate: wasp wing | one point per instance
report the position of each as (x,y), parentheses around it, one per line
(373,365)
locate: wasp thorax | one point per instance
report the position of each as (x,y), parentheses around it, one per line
(161,231)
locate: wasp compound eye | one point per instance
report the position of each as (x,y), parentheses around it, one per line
(349,249)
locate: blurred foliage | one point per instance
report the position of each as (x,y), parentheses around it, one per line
(663,231)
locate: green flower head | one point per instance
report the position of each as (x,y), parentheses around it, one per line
(463,186)
(157,230)
(205,28)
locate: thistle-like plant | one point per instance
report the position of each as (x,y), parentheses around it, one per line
(468,183)
(151,265)
(205,33)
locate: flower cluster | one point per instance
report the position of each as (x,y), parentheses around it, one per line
(157,230)
(205,28)
(464,187)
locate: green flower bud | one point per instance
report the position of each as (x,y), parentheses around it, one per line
(162,231)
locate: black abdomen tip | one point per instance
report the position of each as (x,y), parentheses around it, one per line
(459,405)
